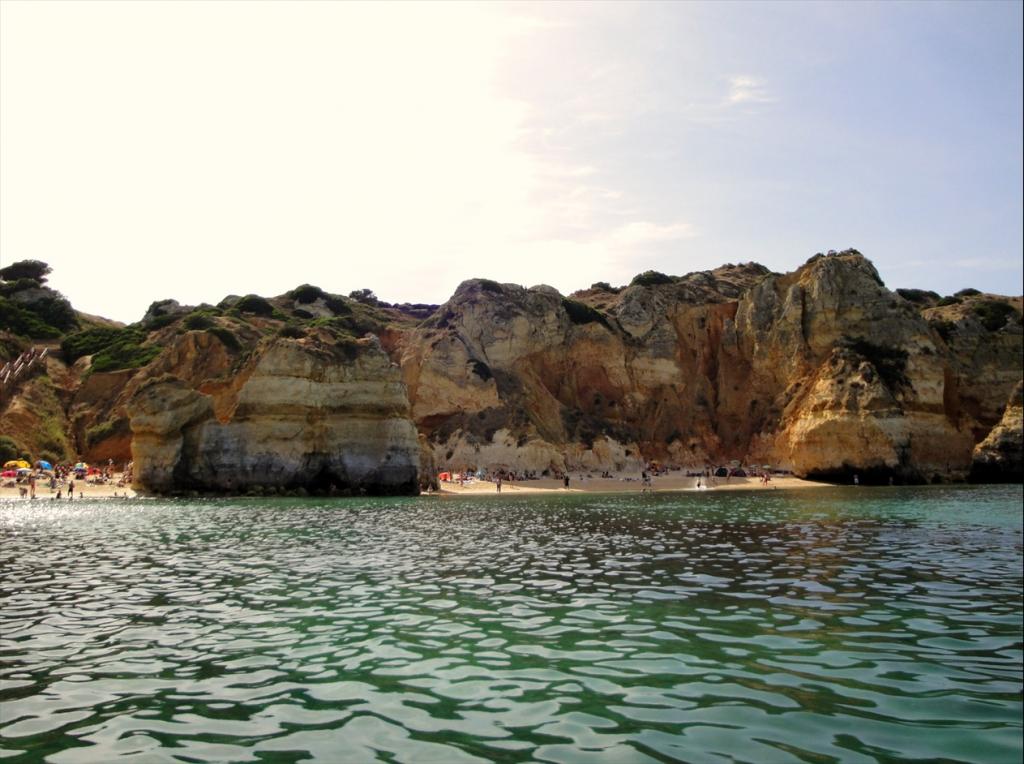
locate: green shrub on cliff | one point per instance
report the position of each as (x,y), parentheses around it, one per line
(253,303)
(918,296)
(198,320)
(126,351)
(107,429)
(11,347)
(88,342)
(26,323)
(651,278)
(55,310)
(9,449)
(489,285)
(159,322)
(890,362)
(993,314)
(581,313)
(34,270)
(365,296)
(307,293)
(226,336)
(7,288)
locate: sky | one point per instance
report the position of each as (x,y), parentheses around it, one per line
(192,150)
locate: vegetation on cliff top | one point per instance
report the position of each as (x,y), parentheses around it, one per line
(651,278)
(30,308)
(127,351)
(579,313)
(28,270)
(994,314)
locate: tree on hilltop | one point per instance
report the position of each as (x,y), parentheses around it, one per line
(35,270)
(365,296)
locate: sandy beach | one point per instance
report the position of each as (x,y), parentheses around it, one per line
(663,483)
(83,490)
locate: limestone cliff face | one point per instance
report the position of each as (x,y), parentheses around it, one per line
(302,414)
(854,372)
(1000,457)
(823,371)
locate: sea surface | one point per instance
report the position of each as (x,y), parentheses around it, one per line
(819,625)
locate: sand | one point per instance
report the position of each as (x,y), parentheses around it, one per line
(661,484)
(82,490)
(664,483)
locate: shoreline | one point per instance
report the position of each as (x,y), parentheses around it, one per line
(663,484)
(476,488)
(83,492)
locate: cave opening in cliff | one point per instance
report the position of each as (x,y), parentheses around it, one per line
(327,482)
(868,476)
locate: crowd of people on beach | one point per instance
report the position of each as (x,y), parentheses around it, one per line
(63,480)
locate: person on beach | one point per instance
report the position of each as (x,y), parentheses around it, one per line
(71,490)
(497,483)
(32,486)
(566,479)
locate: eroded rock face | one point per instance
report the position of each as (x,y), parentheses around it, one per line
(306,416)
(823,371)
(1000,457)
(855,374)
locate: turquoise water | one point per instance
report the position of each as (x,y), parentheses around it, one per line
(807,626)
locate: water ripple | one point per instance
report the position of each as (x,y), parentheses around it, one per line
(815,626)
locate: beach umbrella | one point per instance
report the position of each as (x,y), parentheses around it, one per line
(44,465)
(25,471)
(8,473)
(18,464)
(81,466)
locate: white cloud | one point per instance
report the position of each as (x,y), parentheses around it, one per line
(746,89)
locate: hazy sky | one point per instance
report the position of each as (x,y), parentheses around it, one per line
(193,150)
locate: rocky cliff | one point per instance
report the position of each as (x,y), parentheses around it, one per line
(823,371)
(999,458)
(299,415)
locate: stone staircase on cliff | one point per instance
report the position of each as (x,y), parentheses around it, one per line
(14,373)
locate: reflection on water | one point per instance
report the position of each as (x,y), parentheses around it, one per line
(763,627)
